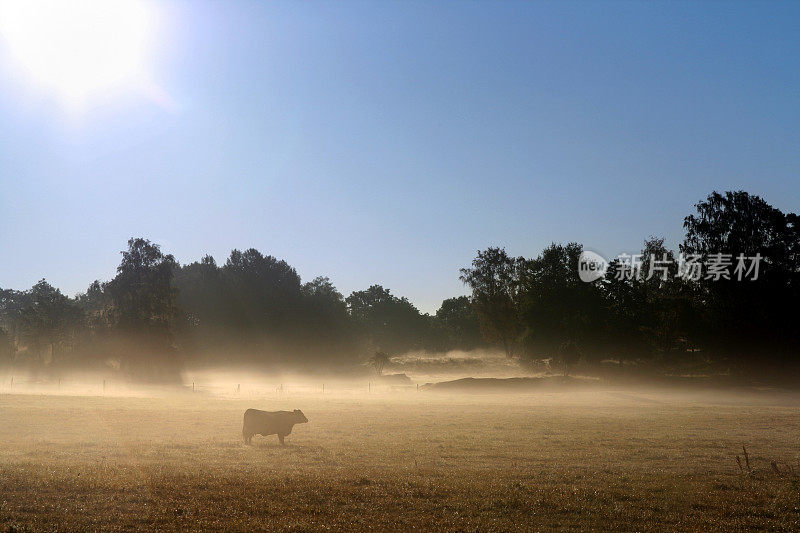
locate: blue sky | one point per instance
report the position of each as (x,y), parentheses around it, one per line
(381,142)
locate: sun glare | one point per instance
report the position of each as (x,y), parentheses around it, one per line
(79,48)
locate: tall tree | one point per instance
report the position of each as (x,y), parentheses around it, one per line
(49,323)
(11,305)
(392,324)
(324,309)
(494,280)
(750,319)
(144,309)
(458,319)
(667,316)
(267,290)
(7,348)
(556,307)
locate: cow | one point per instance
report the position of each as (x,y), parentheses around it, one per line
(279,423)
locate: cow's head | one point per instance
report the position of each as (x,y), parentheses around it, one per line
(300,418)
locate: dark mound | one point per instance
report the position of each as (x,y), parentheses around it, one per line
(506,384)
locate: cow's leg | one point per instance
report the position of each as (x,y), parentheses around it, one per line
(280,438)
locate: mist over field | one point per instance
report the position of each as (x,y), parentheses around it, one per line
(397,459)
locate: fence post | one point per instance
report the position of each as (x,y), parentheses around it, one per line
(104,386)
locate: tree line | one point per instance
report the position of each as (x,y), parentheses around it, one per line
(156,315)
(537,308)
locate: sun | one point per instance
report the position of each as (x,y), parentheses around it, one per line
(79,48)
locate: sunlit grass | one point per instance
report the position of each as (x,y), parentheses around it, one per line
(599,460)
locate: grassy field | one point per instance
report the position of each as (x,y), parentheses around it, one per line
(610,460)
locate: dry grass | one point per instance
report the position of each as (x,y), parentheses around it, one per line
(588,460)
